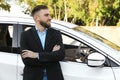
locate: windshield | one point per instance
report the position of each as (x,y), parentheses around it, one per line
(109,43)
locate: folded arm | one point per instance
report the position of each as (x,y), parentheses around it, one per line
(57,53)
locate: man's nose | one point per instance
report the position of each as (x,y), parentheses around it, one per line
(50,17)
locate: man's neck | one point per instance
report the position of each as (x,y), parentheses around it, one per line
(40,27)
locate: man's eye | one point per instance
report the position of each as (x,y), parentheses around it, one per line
(46,14)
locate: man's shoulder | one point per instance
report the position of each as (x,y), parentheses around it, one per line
(54,30)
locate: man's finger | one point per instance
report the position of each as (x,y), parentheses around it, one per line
(55,46)
(25,51)
(25,54)
(58,46)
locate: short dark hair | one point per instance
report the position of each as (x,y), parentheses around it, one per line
(38,8)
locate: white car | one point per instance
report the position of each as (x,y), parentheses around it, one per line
(94,59)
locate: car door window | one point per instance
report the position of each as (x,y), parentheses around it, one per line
(6,37)
(74,50)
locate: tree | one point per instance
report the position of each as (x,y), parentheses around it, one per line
(82,12)
(109,12)
(4,5)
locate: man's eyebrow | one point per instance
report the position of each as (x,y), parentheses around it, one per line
(46,14)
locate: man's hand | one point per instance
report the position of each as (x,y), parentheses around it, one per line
(56,48)
(29,54)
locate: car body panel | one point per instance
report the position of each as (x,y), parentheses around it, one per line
(8,66)
(20,68)
(116,71)
(80,71)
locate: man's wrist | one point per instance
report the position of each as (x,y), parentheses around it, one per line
(38,56)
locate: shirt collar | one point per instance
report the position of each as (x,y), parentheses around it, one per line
(39,30)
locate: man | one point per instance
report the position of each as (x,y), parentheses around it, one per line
(42,48)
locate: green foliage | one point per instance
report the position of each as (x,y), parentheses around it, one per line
(109,12)
(118,24)
(4,5)
(82,12)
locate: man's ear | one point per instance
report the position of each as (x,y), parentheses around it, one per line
(36,17)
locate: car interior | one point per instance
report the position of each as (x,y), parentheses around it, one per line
(77,53)
(5,39)
(74,50)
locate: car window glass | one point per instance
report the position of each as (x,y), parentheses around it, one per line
(69,41)
(6,36)
(26,27)
(74,50)
(21,29)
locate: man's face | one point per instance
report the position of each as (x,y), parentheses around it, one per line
(44,18)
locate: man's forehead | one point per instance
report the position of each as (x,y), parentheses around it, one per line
(44,11)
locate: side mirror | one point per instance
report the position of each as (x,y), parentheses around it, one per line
(95,59)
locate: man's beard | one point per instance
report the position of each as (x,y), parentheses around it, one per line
(45,25)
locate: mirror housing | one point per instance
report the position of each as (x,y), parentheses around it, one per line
(95,59)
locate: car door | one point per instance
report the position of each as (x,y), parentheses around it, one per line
(74,66)
(8,50)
